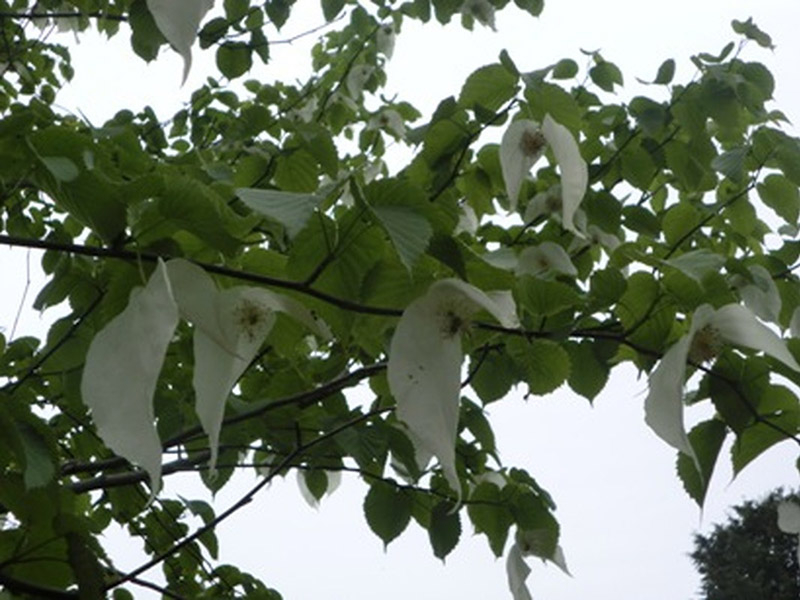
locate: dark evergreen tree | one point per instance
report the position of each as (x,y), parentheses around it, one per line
(748,557)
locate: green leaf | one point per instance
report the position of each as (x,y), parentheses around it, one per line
(387,510)
(697,264)
(651,116)
(331,9)
(751,31)
(488,87)
(566,68)
(234,59)
(607,286)
(545,363)
(290,209)
(39,463)
(278,11)
(637,164)
(665,72)
(146,38)
(538,531)
(735,392)
(213,31)
(490,516)
(781,195)
(545,298)
(260,45)
(409,231)
(641,220)
(317,482)
(780,413)
(444,530)
(679,221)
(547,98)
(590,375)
(637,301)
(706,439)
(495,377)
(605,75)
(731,164)
(95,199)
(236,9)
(533,7)
(85,565)
(297,171)
(187,203)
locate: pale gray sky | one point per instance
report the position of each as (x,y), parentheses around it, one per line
(626,522)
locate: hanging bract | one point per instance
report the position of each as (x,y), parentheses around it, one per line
(311,277)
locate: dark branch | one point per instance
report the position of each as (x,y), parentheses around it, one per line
(63,15)
(37,591)
(130,255)
(245,500)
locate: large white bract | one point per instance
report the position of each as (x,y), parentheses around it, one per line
(125,358)
(425,357)
(523,144)
(121,372)
(178,21)
(517,569)
(709,332)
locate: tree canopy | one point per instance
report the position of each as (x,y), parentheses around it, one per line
(232,274)
(750,556)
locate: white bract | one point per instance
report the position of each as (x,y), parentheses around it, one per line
(357,79)
(789,520)
(546,258)
(179,21)
(761,295)
(517,569)
(710,330)
(125,357)
(467,220)
(230,327)
(384,40)
(121,371)
(388,120)
(425,357)
(523,144)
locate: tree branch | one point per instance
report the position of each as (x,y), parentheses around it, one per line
(129,477)
(244,500)
(63,15)
(130,255)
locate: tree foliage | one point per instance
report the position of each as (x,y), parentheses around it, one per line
(233,273)
(749,556)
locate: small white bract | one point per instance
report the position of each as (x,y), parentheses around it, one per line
(522,146)
(710,330)
(384,40)
(789,520)
(545,259)
(179,23)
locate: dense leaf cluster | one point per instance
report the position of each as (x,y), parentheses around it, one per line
(692,199)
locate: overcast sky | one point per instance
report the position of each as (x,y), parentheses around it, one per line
(626,522)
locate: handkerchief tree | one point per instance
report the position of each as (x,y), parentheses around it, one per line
(251,283)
